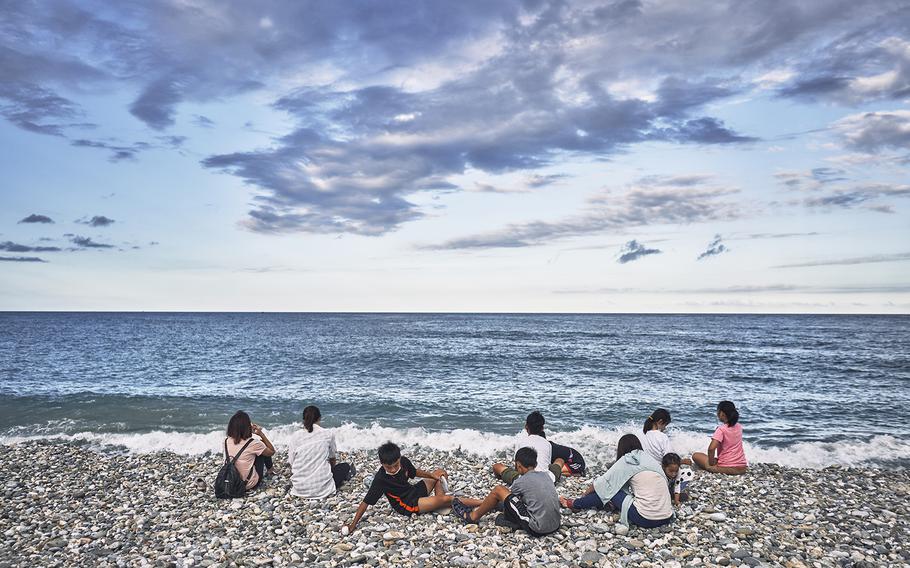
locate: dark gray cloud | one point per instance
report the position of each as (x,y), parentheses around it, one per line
(715,247)
(10,246)
(87,242)
(97,221)
(35,218)
(652,200)
(21,259)
(634,250)
(870,259)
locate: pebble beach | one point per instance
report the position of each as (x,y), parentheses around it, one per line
(63,504)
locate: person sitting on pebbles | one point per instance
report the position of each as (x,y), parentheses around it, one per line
(311,455)
(635,485)
(532,437)
(725,452)
(255,462)
(532,504)
(570,459)
(392,480)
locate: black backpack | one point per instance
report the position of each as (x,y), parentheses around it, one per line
(229,483)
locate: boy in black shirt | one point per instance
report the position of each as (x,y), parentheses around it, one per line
(391,480)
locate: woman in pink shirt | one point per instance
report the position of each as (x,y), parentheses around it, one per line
(725,453)
(256,459)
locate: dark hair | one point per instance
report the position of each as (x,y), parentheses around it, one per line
(534,424)
(240,427)
(729,410)
(626,444)
(389,453)
(526,457)
(658,415)
(670,459)
(311,415)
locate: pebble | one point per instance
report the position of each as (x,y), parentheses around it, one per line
(147,511)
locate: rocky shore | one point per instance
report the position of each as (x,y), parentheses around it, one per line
(66,505)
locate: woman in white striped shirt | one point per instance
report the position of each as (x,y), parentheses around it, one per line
(311,454)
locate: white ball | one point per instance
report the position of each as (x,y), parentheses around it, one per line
(345,531)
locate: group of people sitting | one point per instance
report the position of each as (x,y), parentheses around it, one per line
(642,485)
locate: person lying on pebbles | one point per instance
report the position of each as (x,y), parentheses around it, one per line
(392,480)
(635,485)
(532,437)
(532,505)
(725,452)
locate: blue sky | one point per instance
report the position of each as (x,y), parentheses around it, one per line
(528,156)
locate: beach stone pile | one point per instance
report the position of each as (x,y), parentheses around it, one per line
(63,505)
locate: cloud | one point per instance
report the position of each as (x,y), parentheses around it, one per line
(871,259)
(21,259)
(753,289)
(859,195)
(870,62)
(715,247)
(97,221)
(811,180)
(203,121)
(10,246)
(633,250)
(33,218)
(119,152)
(653,200)
(535,181)
(874,132)
(87,242)
(779,235)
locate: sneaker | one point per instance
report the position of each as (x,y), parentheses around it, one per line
(462,511)
(502,521)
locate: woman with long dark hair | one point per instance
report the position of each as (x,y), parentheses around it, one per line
(312,456)
(635,486)
(255,461)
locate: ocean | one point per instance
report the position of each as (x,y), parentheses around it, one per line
(813,390)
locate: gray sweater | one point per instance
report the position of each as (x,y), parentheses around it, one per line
(536,491)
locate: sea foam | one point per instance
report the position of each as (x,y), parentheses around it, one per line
(596,444)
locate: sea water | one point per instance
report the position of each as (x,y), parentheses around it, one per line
(813,390)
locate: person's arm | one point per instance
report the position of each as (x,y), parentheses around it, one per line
(360,511)
(332,450)
(436,474)
(269,450)
(712,452)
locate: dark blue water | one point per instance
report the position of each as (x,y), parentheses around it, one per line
(796,379)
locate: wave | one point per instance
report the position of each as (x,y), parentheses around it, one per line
(596,444)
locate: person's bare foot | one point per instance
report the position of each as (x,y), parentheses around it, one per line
(566,503)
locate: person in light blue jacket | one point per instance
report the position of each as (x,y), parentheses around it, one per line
(635,485)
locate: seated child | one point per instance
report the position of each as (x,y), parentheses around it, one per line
(679,477)
(569,459)
(535,438)
(532,505)
(392,480)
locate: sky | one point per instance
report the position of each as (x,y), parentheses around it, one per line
(473,156)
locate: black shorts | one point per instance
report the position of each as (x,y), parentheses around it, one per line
(406,503)
(516,513)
